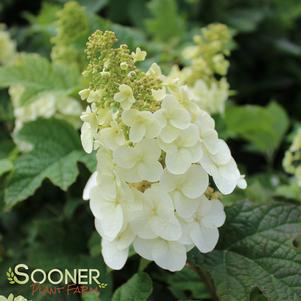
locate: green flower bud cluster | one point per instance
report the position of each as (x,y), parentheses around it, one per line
(109,68)
(7,47)
(292,158)
(208,57)
(206,66)
(73,29)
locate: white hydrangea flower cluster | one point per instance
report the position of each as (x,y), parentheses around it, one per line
(151,187)
(206,67)
(46,105)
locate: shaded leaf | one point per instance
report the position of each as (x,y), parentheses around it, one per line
(256,251)
(138,288)
(186,282)
(166,23)
(37,75)
(56,151)
(263,127)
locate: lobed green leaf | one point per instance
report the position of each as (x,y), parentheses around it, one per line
(256,251)
(56,151)
(138,288)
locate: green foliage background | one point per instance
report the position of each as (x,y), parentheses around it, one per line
(43,220)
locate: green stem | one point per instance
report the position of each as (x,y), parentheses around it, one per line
(206,280)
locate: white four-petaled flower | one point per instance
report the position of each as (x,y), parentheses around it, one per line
(125,96)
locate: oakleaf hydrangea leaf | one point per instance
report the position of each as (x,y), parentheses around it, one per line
(138,288)
(56,151)
(166,22)
(256,251)
(262,127)
(37,75)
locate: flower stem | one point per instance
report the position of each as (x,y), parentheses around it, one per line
(206,279)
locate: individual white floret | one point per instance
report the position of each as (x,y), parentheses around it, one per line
(172,117)
(138,55)
(156,217)
(115,253)
(139,163)
(222,167)
(186,189)
(183,151)
(108,209)
(88,129)
(168,255)
(125,96)
(111,137)
(142,124)
(203,228)
(211,98)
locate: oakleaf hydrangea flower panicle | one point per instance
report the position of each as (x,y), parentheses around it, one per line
(46,105)
(72,31)
(8,49)
(292,158)
(156,150)
(206,67)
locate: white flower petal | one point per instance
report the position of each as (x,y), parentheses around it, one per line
(223,154)
(196,152)
(153,128)
(92,182)
(169,181)
(129,175)
(180,118)
(225,186)
(208,165)
(230,170)
(150,171)
(178,162)
(159,94)
(196,182)
(113,257)
(129,116)
(167,228)
(144,247)
(87,137)
(189,136)
(141,227)
(242,183)
(125,156)
(150,150)
(169,133)
(169,255)
(211,141)
(204,238)
(205,122)
(137,133)
(108,213)
(111,137)
(185,207)
(124,239)
(216,215)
